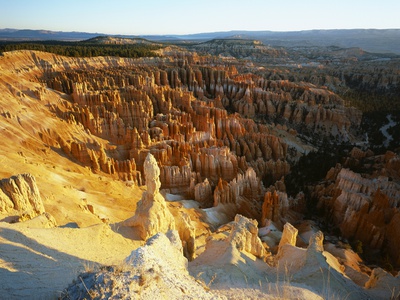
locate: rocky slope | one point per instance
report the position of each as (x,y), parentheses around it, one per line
(155,271)
(234,264)
(367,81)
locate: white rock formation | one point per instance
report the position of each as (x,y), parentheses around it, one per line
(289,237)
(152,215)
(244,236)
(162,251)
(157,270)
(152,175)
(323,271)
(231,259)
(187,233)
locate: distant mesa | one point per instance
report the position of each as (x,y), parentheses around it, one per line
(115,40)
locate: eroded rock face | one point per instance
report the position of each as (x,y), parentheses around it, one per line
(152,176)
(271,207)
(249,49)
(288,239)
(143,107)
(187,233)
(289,235)
(244,236)
(152,215)
(20,193)
(315,246)
(145,256)
(186,134)
(203,193)
(243,193)
(200,121)
(393,235)
(364,207)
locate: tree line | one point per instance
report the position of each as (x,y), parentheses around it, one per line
(83,49)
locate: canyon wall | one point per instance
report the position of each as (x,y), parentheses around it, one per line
(365,207)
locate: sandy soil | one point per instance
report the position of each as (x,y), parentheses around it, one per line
(39,263)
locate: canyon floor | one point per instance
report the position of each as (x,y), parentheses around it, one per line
(221,176)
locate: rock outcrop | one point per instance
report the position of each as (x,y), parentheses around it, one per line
(155,270)
(20,194)
(239,48)
(190,137)
(213,132)
(210,128)
(244,237)
(318,267)
(187,234)
(189,104)
(243,192)
(152,215)
(203,193)
(289,236)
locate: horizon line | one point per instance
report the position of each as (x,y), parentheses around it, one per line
(197,33)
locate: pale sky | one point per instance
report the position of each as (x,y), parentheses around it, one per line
(183,17)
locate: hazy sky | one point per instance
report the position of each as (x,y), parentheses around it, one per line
(181,17)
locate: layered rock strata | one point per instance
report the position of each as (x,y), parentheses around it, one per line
(139,116)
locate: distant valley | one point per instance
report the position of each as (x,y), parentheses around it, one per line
(372,40)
